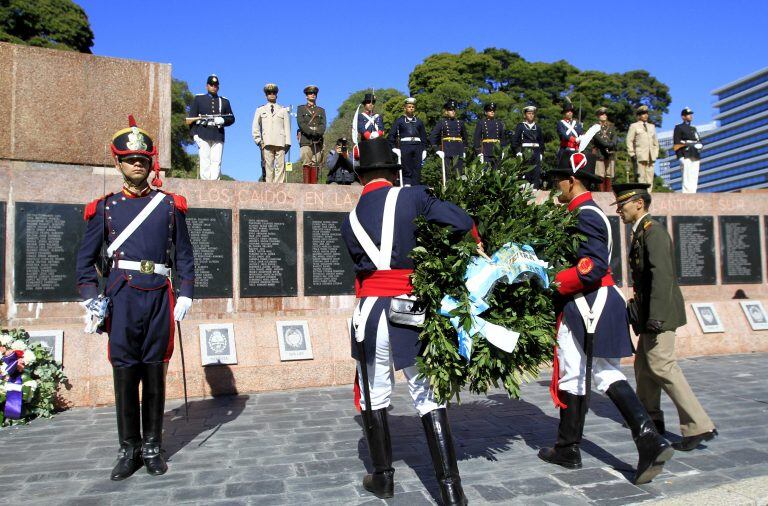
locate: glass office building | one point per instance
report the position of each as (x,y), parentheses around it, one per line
(735,154)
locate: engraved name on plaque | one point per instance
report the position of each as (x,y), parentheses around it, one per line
(47,239)
(268,253)
(210,231)
(328,268)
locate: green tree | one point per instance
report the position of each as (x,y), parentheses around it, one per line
(182,163)
(57,24)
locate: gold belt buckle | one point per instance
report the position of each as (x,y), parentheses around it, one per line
(147,267)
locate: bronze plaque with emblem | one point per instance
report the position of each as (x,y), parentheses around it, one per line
(47,240)
(740,249)
(694,250)
(268,254)
(328,268)
(210,231)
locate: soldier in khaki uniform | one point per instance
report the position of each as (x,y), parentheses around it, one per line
(271,131)
(655,312)
(643,146)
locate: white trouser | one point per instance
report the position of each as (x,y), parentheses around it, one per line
(573,366)
(690,175)
(381,378)
(210,158)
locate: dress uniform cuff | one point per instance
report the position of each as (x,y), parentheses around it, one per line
(187,289)
(476,234)
(88,291)
(568,281)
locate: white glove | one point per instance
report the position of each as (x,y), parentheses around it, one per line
(91,317)
(440,154)
(464,155)
(182,308)
(218,121)
(423,155)
(519,155)
(481,157)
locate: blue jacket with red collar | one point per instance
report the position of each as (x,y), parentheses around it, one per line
(592,271)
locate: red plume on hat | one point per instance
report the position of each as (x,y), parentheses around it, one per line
(135,141)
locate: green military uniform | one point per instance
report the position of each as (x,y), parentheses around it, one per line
(659,301)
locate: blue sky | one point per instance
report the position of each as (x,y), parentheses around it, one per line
(345,46)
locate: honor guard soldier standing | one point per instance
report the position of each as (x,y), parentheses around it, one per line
(592,322)
(605,143)
(489,135)
(657,310)
(569,131)
(380,233)
(643,146)
(368,123)
(686,143)
(271,130)
(528,144)
(209,114)
(311,121)
(139,226)
(449,136)
(410,137)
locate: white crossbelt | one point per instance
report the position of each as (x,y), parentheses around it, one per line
(607,227)
(530,144)
(136,266)
(591,315)
(381,257)
(570,128)
(136,223)
(410,139)
(371,120)
(360,317)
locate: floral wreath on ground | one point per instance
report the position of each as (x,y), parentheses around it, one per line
(29,378)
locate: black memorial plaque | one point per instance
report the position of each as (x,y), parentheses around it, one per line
(328,268)
(47,239)
(2,252)
(211,233)
(740,249)
(268,254)
(694,249)
(616,252)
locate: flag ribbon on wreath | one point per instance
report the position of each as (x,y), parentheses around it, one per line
(13,386)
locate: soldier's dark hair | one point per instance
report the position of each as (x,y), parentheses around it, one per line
(646,198)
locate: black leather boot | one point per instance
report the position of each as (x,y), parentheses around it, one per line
(382,481)
(128,421)
(152,411)
(443,456)
(653,450)
(566,451)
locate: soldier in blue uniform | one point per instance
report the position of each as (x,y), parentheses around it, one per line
(210,113)
(592,322)
(380,234)
(489,136)
(410,137)
(449,136)
(528,145)
(569,131)
(369,123)
(138,226)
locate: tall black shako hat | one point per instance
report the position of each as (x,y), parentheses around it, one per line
(133,142)
(578,165)
(376,154)
(369,98)
(626,192)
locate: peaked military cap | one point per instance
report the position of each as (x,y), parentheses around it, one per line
(641,110)
(410,100)
(311,89)
(626,192)
(578,165)
(212,79)
(490,106)
(376,154)
(601,110)
(450,105)
(531,108)
(686,111)
(271,87)
(369,98)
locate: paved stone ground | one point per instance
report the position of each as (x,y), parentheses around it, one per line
(306,447)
